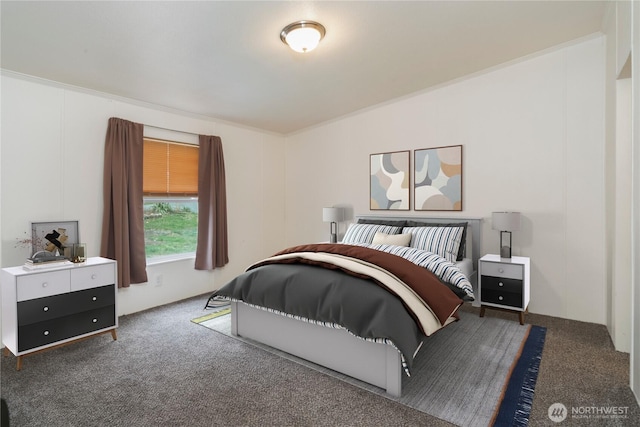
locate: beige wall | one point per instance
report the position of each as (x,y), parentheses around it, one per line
(622,27)
(533,141)
(618,172)
(635,96)
(52,165)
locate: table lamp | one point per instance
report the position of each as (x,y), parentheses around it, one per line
(505,222)
(332,215)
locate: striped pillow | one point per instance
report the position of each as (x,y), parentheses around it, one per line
(364,233)
(444,241)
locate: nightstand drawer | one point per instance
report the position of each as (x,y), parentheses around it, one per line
(511,299)
(512,271)
(502,291)
(501,284)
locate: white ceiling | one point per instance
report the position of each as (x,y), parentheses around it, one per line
(225,60)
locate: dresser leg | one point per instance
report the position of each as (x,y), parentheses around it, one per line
(114,335)
(522,317)
(6,353)
(482,311)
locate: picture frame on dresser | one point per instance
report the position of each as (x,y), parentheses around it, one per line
(46,236)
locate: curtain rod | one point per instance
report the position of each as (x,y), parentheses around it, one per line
(172,130)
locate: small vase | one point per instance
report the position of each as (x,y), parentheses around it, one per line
(79,252)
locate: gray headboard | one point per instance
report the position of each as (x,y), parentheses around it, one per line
(474,233)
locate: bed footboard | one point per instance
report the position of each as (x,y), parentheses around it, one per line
(374,363)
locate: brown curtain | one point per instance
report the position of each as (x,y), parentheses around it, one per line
(212,249)
(122,221)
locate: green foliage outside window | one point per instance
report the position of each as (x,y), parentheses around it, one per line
(170,228)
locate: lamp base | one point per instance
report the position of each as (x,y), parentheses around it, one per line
(505,252)
(333,238)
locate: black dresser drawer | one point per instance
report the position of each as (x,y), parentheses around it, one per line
(48,308)
(89,321)
(58,329)
(90,299)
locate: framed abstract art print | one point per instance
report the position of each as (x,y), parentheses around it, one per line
(438,179)
(389,181)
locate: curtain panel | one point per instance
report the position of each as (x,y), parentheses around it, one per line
(123,223)
(212,247)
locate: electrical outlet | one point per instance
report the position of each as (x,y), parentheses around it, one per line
(159,280)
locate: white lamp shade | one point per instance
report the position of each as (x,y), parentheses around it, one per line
(331,214)
(505,221)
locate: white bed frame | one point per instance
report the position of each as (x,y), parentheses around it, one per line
(374,363)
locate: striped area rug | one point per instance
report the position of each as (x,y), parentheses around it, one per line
(475,372)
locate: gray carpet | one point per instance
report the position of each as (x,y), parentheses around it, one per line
(165,370)
(458,375)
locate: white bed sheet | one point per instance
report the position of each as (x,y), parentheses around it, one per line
(466,266)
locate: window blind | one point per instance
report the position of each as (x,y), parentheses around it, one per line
(169,168)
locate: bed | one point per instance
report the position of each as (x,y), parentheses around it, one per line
(367,304)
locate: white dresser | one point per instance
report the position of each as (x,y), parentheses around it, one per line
(47,308)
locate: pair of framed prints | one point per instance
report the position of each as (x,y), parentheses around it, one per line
(437,180)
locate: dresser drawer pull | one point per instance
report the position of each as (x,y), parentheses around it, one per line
(500,297)
(93,276)
(45,284)
(501,284)
(46,333)
(501,270)
(45,308)
(95,320)
(94,299)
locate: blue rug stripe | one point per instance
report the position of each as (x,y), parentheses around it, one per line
(515,407)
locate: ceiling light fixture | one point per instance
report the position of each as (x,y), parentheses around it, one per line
(302,36)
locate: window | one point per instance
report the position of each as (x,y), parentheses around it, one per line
(170,186)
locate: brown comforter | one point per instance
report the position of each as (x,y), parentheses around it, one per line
(439,299)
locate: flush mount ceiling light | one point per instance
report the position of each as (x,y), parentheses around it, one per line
(302,36)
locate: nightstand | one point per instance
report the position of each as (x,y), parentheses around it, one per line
(503,283)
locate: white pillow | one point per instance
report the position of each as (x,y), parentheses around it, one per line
(391,239)
(364,233)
